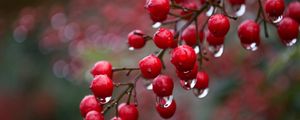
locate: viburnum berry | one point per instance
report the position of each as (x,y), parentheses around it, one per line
(89,103)
(248,32)
(202,80)
(163,85)
(188,75)
(183,58)
(94,115)
(128,112)
(163,38)
(158,9)
(102,68)
(274,8)
(293,11)
(136,41)
(288,29)
(213,40)
(167,112)
(102,86)
(189,36)
(150,66)
(218,25)
(186,12)
(236,2)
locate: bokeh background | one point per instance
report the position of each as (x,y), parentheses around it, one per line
(47,48)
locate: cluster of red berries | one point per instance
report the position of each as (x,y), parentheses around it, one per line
(185,58)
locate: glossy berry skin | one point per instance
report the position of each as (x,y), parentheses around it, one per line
(218,25)
(166,112)
(102,68)
(163,86)
(150,66)
(188,75)
(94,115)
(163,38)
(293,11)
(189,36)
(158,9)
(274,8)
(213,40)
(188,13)
(183,58)
(128,112)
(89,103)
(236,2)
(248,32)
(136,41)
(202,80)
(102,86)
(288,29)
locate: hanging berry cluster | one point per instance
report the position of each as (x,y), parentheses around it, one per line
(187,51)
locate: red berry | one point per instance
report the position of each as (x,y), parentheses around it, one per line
(218,25)
(183,58)
(136,41)
(236,2)
(150,66)
(288,29)
(89,103)
(202,80)
(248,32)
(293,11)
(94,115)
(102,86)
(188,75)
(128,112)
(274,8)
(213,40)
(163,86)
(188,13)
(163,38)
(166,112)
(158,9)
(102,68)
(189,35)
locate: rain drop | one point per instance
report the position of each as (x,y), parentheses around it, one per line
(149,86)
(188,84)
(197,50)
(104,100)
(251,46)
(164,101)
(156,25)
(210,11)
(131,48)
(201,93)
(276,19)
(241,10)
(217,50)
(291,43)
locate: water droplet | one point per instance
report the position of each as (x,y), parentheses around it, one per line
(156,25)
(201,93)
(164,101)
(149,86)
(217,50)
(197,49)
(241,10)
(291,43)
(104,100)
(188,84)
(276,19)
(210,11)
(131,48)
(251,46)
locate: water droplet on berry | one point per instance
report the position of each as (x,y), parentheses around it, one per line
(149,86)
(104,100)
(131,48)
(251,46)
(188,84)
(217,50)
(197,50)
(156,25)
(200,93)
(276,19)
(291,43)
(210,11)
(241,10)
(164,101)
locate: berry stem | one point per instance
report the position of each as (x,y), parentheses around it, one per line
(198,42)
(264,18)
